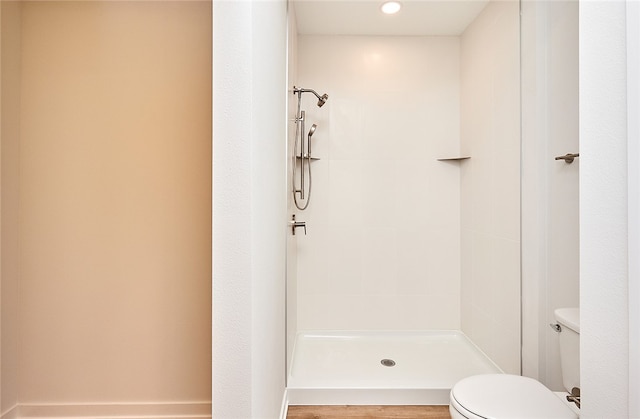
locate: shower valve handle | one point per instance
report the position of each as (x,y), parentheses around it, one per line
(295,224)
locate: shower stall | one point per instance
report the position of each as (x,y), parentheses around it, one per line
(406,277)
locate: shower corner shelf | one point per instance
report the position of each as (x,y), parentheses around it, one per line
(307,157)
(454,158)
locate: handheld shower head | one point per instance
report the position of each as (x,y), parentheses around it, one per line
(312,130)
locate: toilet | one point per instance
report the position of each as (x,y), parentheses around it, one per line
(512,396)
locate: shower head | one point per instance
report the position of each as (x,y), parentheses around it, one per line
(321,99)
(312,130)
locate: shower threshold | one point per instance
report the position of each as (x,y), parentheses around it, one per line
(373,367)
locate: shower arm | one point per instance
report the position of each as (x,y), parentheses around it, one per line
(300,91)
(322,99)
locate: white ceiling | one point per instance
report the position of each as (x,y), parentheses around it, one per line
(363,17)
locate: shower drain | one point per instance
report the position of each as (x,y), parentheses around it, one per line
(388,362)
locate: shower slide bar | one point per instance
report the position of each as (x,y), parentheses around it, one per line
(301,190)
(304,157)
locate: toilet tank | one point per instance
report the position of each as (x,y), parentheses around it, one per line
(569,321)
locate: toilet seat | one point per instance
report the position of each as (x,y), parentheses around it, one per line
(506,396)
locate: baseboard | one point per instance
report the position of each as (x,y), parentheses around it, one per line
(11,413)
(186,410)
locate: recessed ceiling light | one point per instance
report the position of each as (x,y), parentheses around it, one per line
(391,7)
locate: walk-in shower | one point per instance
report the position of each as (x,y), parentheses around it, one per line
(302,193)
(408,278)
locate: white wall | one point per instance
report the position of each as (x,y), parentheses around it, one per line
(533,179)
(383,243)
(269,224)
(231,211)
(249,210)
(490,183)
(604,217)
(562,185)
(633,140)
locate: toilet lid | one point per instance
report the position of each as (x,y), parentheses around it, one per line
(508,396)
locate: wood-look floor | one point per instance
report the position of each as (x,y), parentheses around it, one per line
(368,412)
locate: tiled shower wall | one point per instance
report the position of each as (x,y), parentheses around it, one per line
(382,249)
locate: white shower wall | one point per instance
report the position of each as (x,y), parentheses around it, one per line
(490,134)
(382,249)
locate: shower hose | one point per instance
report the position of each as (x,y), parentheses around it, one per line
(300,136)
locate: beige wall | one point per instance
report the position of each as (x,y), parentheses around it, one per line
(115,202)
(9,146)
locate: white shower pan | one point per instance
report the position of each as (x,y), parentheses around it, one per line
(372,367)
